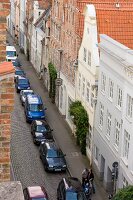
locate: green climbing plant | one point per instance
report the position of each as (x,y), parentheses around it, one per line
(52,78)
(80,119)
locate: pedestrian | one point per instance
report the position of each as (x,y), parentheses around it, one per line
(91,179)
(85,176)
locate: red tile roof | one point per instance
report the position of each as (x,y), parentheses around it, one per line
(6,68)
(43,4)
(115,22)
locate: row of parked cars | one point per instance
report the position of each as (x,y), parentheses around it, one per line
(51,155)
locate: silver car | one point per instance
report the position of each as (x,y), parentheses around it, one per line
(23,94)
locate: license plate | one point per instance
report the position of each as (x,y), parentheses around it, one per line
(57,169)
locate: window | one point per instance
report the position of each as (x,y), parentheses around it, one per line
(117,132)
(88,92)
(125,182)
(108,123)
(61,97)
(89,58)
(126,144)
(83,87)
(111,85)
(89,137)
(85,54)
(96,152)
(119,97)
(129,106)
(79,82)
(103,82)
(101,115)
(92,100)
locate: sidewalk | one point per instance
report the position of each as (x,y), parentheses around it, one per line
(62,133)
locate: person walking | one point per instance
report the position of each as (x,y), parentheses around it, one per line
(85,176)
(91,179)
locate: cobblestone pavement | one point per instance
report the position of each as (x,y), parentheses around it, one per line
(26,164)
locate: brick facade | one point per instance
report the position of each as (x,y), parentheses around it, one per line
(4,11)
(6,107)
(6,96)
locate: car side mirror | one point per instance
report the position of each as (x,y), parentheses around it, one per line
(64,154)
(45,108)
(51,129)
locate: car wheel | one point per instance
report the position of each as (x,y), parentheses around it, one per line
(27,120)
(40,157)
(17,91)
(34,141)
(46,169)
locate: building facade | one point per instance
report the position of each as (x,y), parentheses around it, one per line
(114,118)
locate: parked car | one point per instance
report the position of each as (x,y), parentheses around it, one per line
(41,131)
(16,63)
(70,189)
(22,83)
(18,72)
(23,94)
(52,157)
(35,193)
(34,109)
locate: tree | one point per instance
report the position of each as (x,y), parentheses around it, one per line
(124,194)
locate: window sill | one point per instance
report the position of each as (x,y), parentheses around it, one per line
(124,160)
(107,137)
(129,119)
(110,99)
(100,127)
(102,92)
(119,108)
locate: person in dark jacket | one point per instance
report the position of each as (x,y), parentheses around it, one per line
(85,176)
(91,179)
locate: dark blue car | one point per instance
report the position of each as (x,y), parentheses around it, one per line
(22,83)
(18,72)
(34,109)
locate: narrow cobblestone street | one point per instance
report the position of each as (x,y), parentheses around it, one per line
(26,164)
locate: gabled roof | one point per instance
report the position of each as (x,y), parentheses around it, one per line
(114,20)
(6,68)
(44,14)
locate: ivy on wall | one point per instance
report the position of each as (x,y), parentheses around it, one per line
(52,78)
(80,119)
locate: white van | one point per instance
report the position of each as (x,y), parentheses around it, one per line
(11,53)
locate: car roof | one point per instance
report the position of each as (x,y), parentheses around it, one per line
(33,98)
(72,183)
(35,191)
(22,77)
(18,69)
(10,48)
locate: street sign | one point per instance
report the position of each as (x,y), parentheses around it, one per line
(58,82)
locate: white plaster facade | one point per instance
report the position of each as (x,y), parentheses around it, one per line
(113,127)
(22,36)
(11,19)
(87,74)
(36,38)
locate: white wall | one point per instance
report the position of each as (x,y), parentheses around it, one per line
(88,72)
(114,61)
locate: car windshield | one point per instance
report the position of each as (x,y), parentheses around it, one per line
(19,72)
(36,107)
(25,93)
(11,53)
(53,153)
(42,128)
(39,134)
(23,81)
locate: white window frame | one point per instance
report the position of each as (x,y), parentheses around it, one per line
(101,115)
(111,87)
(88,92)
(126,144)
(124,181)
(129,110)
(79,82)
(109,123)
(96,153)
(119,97)
(103,82)
(92,100)
(117,132)
(84,54)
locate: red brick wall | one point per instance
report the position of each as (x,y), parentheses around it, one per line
(6,107)
(4,11)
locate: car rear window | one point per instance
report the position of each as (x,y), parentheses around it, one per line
(36,107)
(23,81)
(42,128)
(19,72)
(52,153)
